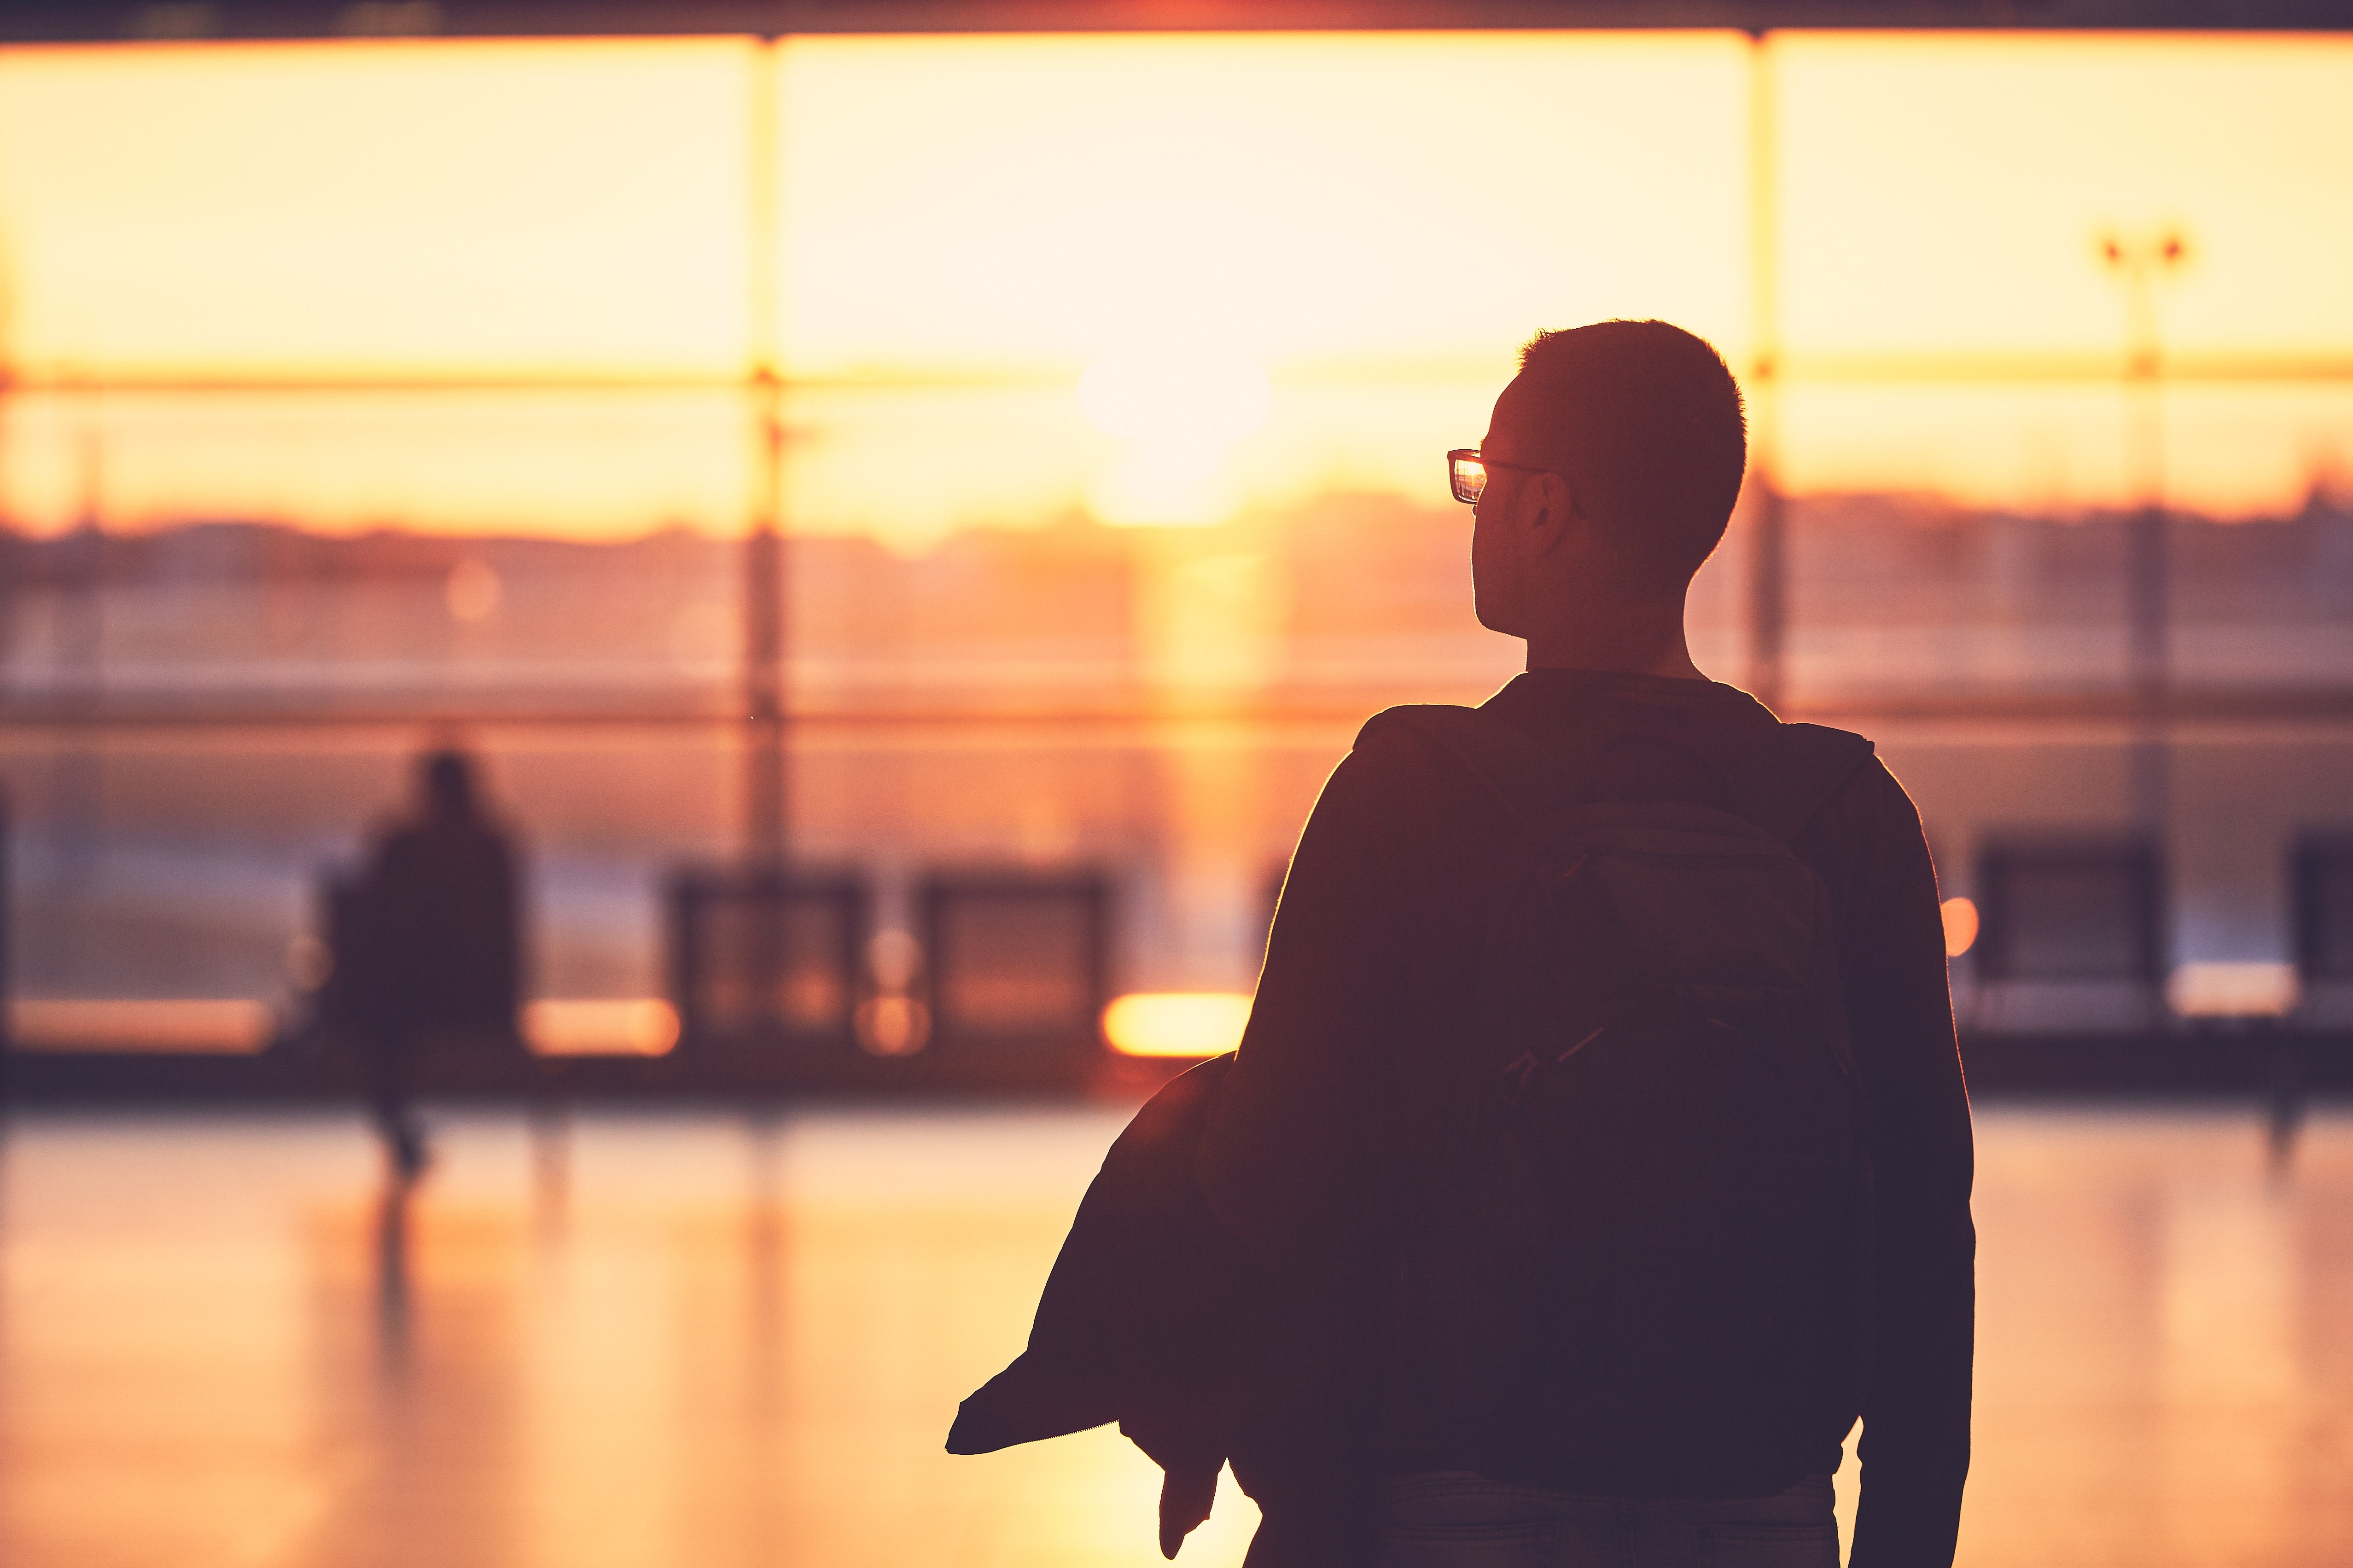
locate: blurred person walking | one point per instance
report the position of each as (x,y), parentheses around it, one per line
(1597,1150)
(429,944)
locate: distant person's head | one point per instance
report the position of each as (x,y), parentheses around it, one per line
(447,777)
(1613,464)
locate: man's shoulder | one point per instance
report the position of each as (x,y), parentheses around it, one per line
(1415,725)
(1793,772)
(1425,746)
(1873,800)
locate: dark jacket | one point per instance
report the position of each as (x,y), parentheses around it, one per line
(1142,1317)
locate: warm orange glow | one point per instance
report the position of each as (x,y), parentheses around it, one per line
(176,1025)
(1177,1023)
(1960,926)
(1179,410)
(1343,235)
(1174,397)
(472,591)
(600,1026)
(661,1332)
(2213,990)
(894,1026)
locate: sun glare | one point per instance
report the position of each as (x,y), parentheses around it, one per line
(1176,395)
(1179,410)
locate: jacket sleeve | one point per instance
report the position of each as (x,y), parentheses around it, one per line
(1915,1449)
(1286,1160)
(1138,1312)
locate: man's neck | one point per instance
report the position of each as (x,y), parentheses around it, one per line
(1645,641)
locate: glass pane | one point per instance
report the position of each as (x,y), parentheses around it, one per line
(535,206)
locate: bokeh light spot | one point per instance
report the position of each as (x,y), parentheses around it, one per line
(1177,1023)
(1960,926)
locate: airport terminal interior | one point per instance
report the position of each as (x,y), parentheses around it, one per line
(895,527)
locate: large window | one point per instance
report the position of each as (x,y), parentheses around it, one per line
(1293,263)
(362,396)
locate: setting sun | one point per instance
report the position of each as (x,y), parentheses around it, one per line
(1178,410)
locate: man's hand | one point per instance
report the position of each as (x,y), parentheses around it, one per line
(1185,1495)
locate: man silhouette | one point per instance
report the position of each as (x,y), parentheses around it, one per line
(436,949)
(1607,477)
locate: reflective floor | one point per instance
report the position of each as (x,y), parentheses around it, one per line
(704,1339)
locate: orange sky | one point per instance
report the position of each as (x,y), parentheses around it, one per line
(1335,242)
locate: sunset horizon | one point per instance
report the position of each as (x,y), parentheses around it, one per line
(539,306)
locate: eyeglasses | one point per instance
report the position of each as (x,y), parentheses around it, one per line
(1467,471)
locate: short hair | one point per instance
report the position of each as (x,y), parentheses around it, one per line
(1646,423)
(448,777)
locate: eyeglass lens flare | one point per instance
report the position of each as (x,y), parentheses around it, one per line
(1467,474)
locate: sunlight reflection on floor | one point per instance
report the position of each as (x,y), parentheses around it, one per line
(715,1338)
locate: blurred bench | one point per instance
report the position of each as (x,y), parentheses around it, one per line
(2322,874)
(764,959)
(1018,964)
(2072,934)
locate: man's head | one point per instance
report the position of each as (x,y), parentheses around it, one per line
(447,780)
(1616,455)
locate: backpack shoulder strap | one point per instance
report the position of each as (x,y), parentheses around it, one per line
(1785,782)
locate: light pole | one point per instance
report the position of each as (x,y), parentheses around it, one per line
(2139,265)
(764,805)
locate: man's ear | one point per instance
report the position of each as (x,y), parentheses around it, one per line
(1555,515)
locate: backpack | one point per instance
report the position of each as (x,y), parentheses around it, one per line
(1641,1262)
